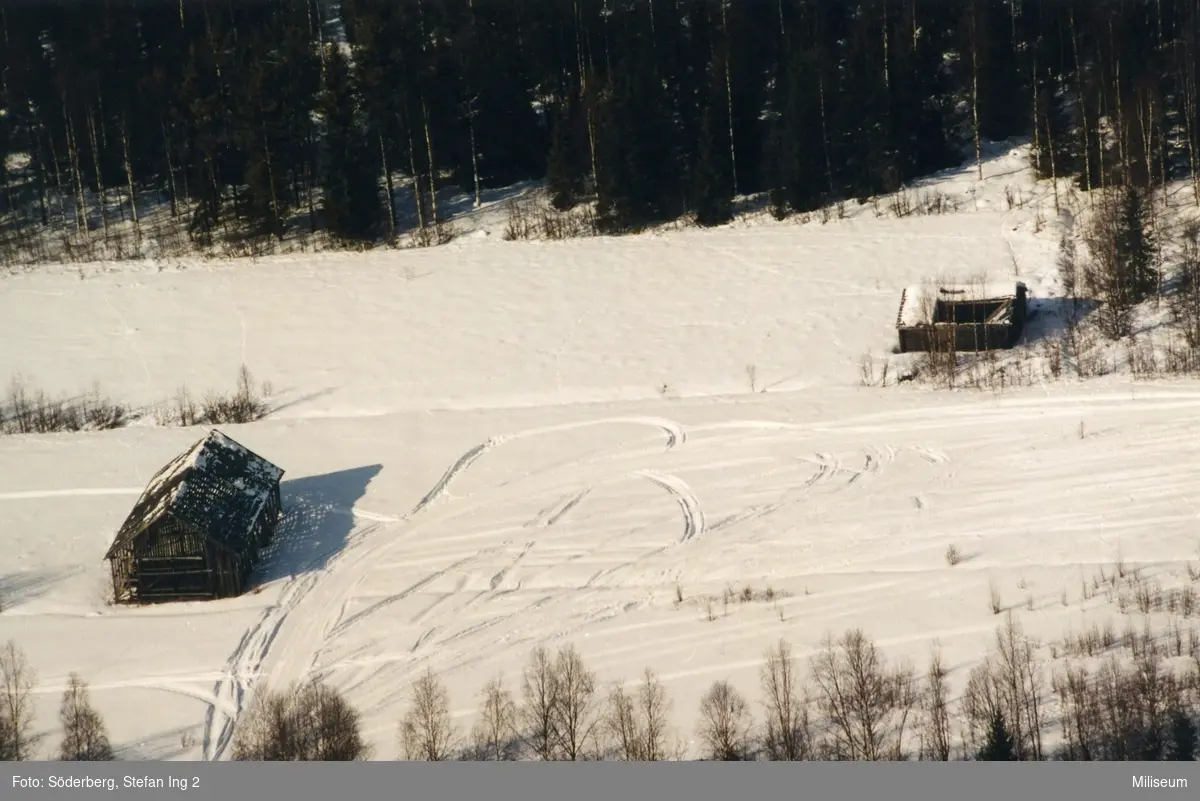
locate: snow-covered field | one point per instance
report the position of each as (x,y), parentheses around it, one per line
(493,444)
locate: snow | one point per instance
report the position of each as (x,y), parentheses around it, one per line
(918,301)
(491,445)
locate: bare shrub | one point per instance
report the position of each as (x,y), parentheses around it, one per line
(787,733)
(865,703)
(18,738)
(439,233)
(243,406)
(866,370)
(953,556)
(725,724)
(901,204)
(426,731)
(36,412)
(1185,301)
(994,601)
(102,414)
(85,737)
(495,738)
(185,408)
(1068,268)
(306,722)
(528,219)
(939,361)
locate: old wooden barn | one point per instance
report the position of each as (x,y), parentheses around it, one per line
(967,317)
(197,529)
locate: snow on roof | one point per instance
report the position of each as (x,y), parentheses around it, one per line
(217,485)
(919,301)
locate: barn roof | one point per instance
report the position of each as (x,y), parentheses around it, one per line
(217,486)
(917,302)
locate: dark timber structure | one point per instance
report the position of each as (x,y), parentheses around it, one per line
(197,529)
(964,318)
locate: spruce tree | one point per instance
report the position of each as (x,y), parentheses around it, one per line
(999,746)
(1182,746)
(1135,246)
(351,203)
(566,165)
(713,190)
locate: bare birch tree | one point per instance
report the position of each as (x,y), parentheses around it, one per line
(539,696)
(427,732)
(305,722)
(85,738)
(786,736)
(494,736)
(725,724)
(867,704)
(576,715)
(17,680)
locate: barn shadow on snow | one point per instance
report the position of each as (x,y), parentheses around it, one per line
(317,521)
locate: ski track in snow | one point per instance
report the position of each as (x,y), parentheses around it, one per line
(689,504)
(338,580)
(326,594)
(29,495)
(295,626)
(815,484)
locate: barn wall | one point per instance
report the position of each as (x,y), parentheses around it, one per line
(170,561)
(967,338)
(982,337)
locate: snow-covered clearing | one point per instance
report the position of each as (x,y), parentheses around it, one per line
(491,445)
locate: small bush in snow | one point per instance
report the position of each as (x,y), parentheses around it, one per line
(994,601)
(953,556)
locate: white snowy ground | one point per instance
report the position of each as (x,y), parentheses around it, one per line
(491,445)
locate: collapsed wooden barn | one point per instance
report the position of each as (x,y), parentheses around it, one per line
(198,528)
(966,317)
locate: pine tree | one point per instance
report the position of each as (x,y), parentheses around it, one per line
(85,738)
(999,746)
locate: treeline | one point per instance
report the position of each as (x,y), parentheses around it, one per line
(84,735)
(1111,697)
(1115,698)
(256,121)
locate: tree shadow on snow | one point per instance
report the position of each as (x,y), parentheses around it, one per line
(23,587)
(317,520)
(1049,318)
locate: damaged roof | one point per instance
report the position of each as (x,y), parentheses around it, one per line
(217,486)
(918,302)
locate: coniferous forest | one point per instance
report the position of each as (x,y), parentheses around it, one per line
(258,120)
